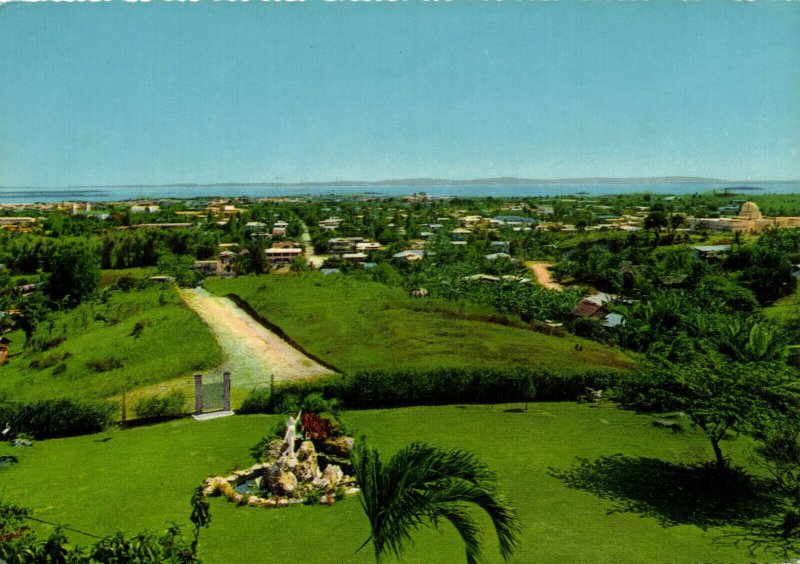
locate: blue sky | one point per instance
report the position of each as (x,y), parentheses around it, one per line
(160,92)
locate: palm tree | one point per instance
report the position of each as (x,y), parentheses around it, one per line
(422,485)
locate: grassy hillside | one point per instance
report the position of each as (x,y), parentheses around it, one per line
(640,511)
(785,310)
(135,339)
(358,325)
(109,277)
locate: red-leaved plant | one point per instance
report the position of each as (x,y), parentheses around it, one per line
(317,427)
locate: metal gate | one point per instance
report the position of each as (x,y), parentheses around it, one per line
(212,393)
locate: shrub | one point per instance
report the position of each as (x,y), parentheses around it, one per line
(319,427)
(377,389)
(103,364)
(58,417)
(44,342)
(257,401)
(313,497)
(139,328)
(170,404)
(59,369)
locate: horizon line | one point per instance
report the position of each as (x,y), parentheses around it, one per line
(425,181)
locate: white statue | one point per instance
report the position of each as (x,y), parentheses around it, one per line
(291,423)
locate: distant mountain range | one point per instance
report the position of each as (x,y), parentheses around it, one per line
(503,180)
(473,182)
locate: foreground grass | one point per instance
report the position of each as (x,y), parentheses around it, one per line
(359,325)
(144,477)
(136,339)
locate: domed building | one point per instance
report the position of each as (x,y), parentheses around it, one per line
(749,211)
(749,220)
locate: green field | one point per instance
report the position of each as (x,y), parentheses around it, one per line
(359,325)
(103,352)
(144,477)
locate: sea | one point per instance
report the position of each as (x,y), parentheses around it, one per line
(29,195)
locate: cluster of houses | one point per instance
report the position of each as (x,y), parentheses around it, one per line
(17,223)
(352,249)
(594,307)
(278,255)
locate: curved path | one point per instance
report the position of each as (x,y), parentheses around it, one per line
(543,275)
(250,351)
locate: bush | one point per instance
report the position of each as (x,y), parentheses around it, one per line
(103,364)
(377,389)
(170,404)
(257,401)
(317,427)
(44,342)
(46,419)
(139,328)
(313,497)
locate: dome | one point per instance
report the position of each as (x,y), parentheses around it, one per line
(749,211)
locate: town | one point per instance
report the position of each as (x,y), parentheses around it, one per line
(128,313)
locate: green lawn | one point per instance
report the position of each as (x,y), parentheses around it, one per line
(144,477)
(359,325)
(170,342)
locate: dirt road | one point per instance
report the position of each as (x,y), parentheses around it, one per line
(250,351)
(315,261)
(542,272)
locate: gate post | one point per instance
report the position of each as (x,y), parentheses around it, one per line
(226,391)
(198,393)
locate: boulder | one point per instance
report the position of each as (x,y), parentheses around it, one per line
(321,483)
(307,468)
(226,489)
(340,446)
(307,471)
(213,485)
(306,451)
(275,448)
(279,481)
(288,462)
(333,474)
(21,443)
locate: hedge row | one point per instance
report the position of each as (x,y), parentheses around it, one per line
(379,389)
(46,419)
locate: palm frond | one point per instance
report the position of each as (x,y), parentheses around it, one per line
(422,484)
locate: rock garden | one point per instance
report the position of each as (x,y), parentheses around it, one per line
(316,471)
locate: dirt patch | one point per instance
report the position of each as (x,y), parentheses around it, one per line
(543,275)
(251,352)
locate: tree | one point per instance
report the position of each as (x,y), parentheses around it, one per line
(74,272)
(33,310)
(718,396)
(180,267)
(256,260)
(656,220)
(421,485)
(779,454)
(299,264)
(200,516)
